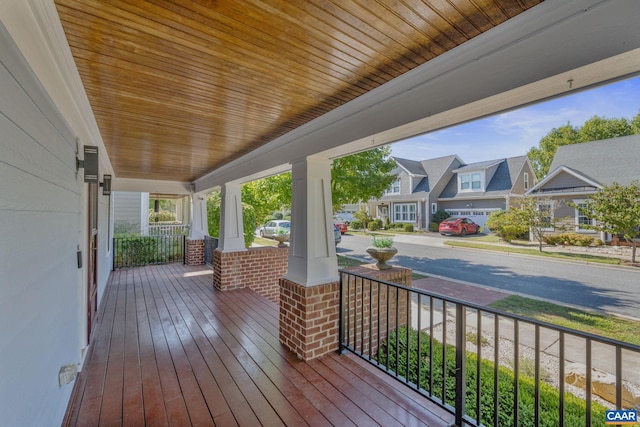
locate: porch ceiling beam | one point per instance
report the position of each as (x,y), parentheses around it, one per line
(555,39)
(151,186)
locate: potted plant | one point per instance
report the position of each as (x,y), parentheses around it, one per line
(281,235)
(382,250)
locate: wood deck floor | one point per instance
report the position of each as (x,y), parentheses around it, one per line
(170,350)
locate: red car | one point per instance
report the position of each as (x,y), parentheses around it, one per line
(341,226)
(459,226)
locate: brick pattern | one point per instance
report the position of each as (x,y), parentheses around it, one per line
(259,269)
(195,252)
(372,309)
(309,318)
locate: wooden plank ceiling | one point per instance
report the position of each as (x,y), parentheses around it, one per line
(181,87)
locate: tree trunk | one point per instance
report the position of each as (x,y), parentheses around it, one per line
(633,251)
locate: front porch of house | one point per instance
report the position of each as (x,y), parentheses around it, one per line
(169,349)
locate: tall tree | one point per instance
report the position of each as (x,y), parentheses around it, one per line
(361,176)
(268,194)
(542,156)
(594,129)
(538,214)
(616,210)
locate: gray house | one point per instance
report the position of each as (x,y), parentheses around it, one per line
(477,189)
(412,198)
(580,170)
(447,183)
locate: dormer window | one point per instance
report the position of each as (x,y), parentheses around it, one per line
(471,182)
(395,188)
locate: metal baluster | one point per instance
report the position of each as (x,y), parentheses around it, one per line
(516,368)
(496,364)
(461,383)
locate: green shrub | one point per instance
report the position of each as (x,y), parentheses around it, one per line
(571,239)
(507,226)
(277,215)
(549,405)
(381,242)
(495,220)
(356,225)
(161,216)
(362,216)
(434,227)
(440,216)
(136,250)
(375,225)
(408,228)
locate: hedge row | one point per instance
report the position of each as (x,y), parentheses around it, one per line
(575,407)
(572,239)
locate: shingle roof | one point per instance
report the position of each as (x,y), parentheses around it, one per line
(500,185)
(412,166)
(438,166)
(605,161)
(478,165)
(432,171)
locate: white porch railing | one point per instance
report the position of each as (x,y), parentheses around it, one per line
(168,229)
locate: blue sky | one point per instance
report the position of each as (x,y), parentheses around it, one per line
(514,133)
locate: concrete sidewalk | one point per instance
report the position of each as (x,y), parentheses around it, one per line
(474,294)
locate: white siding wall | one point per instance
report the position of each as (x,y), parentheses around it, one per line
(129,207)
(42,221)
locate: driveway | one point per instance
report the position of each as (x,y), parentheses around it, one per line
(592,286)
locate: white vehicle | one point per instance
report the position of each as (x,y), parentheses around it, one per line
(270,227)
(344,217)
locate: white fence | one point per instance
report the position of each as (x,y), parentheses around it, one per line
(168,229)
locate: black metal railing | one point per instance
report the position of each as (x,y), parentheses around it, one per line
(137,251)
(210,245)
(485,366)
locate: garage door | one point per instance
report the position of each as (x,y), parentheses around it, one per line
(479,216)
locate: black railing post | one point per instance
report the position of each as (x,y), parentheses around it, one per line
(461,374)
(184,249)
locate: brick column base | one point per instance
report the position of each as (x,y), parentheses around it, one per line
(309,318)
(258,269)
(195,252)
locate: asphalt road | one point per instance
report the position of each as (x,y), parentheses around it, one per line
(592,286)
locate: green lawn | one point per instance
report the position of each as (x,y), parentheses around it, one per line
(534,252)
(599,324)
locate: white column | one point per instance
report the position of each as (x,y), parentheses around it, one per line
(144,214)
(312,256)
(199,225)
(231,228)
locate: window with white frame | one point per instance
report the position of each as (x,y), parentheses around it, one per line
(395,188)
(526,180)
(582,219)
(471,182)
(404,212)
(434,208)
